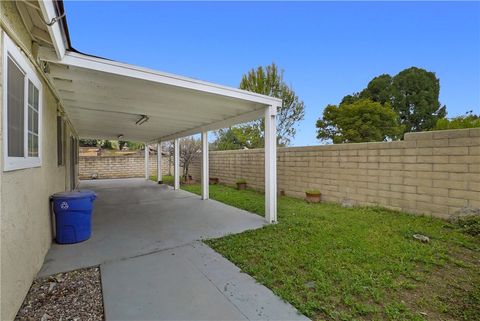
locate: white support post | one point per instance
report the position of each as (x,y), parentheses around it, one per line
(146,161)
(270,165)
(159,163)
(176,165)
(205,175)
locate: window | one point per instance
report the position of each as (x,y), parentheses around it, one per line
(60,141)
(15,109)
(23,110)
(32,120)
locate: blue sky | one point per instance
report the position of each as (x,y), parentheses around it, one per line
(327,49)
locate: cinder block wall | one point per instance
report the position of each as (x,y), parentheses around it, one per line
(434,173)
(120,166)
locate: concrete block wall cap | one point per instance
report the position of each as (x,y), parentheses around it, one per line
(458,133)
(377,145)
(418,136)
(237,151)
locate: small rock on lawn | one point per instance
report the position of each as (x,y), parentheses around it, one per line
(421,238)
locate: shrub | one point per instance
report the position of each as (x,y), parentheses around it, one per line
(470,224)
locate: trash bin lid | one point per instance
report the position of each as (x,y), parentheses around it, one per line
(74,194)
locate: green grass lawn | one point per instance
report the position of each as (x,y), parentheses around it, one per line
(335,263)
(167,179)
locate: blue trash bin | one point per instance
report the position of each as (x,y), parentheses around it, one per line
(73,215)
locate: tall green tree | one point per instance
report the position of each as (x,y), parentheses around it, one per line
(415,99)
(266,81)
(350,99)
(269,81)
(239,137)
(470,120)
(361,121)
(413,93)
(379,89)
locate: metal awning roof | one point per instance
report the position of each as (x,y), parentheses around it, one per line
(105,99)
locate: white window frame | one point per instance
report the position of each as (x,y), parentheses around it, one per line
(15,163)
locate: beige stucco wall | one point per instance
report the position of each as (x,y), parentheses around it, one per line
(26,231)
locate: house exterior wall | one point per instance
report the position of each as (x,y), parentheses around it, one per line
(120,166)
(434,173)
(26,229)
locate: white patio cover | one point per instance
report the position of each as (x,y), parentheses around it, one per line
(105,99)
(111,100)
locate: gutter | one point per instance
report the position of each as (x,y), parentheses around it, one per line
(60,9)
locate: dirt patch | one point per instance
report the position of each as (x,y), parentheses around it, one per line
(449,292)
(75,295)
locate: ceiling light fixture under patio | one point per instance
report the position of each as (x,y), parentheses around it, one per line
(143,119)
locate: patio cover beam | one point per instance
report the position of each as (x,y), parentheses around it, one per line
(147,154)
(205,175)
(254,115)
(159,163)
(270,165)
(176,165)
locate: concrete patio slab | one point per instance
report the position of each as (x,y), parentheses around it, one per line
(153,267)
(133,217)
(190,282)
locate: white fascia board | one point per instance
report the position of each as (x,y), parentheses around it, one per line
(56,34)
(131,71)
(254,115)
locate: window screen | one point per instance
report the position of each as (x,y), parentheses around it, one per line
(15,109)
(32,120)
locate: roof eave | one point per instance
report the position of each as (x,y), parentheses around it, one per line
(50,12)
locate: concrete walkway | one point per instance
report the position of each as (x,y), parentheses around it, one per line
(145,239)
(133,217)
